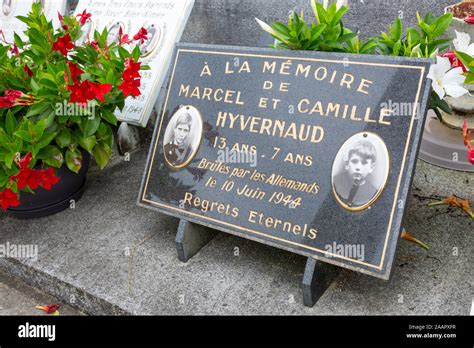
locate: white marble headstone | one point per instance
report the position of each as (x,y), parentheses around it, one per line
(9,9)
(165,21)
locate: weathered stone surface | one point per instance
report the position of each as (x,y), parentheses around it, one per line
(18,298)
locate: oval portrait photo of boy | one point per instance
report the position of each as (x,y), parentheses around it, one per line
(183,136)
(360,171)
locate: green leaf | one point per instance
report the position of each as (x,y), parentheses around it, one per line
(281,28)
(442,24)
(339,14)
(74,160)
(4,138)
(40,127)
(136,53)
(9,159)
(89,126)
(51,156)
(109,116)
(18,41)
(46,139)
(49,84)
(346,37)
(110,78)
(36,109)
(396,30)
(396,48)
(63,138)
(102,154)
(10,122)
(88,143)
(469,79)
(38,38)
(24,135)
(123,53)
(465,58)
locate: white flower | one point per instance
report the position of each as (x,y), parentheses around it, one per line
(447,81)
(339,4)
(462,43)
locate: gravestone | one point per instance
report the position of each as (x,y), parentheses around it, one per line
(9,9)
(305,151)
(165,21)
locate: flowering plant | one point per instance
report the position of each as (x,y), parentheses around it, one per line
(57,96)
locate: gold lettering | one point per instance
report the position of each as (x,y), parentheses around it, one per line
(268,66)
(347,80)
(284,87)
(364,84)
(267,85)
(384,113)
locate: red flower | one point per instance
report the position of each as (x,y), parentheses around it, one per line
(85,91)
(130,87)
(131,78)
(63,44)
(80,93)
(99,89)
(33,178)
(64,26)
(24,162)
(10,99)
(75,71)
(84,17)
(468,142)
(124,39)
(49,309)
(141,35)
(14,50)
(27,177)
(455,62)
(95,44)
(27,70)
(5,103)
(131,69)
(470,155)
(13,94)
(8,198)
(469,19)
(48,178)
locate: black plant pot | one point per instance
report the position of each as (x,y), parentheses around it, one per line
(44,203)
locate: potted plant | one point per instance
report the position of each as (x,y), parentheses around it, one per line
(57,103)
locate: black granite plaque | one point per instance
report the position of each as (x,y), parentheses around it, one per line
(307,151)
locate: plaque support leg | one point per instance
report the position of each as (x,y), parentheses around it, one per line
(317,277)
(191,238)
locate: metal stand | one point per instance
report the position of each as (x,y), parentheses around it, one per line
(191,238)
(317,277)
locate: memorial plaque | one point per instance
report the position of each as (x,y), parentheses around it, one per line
(310,152)
(9,9)
(165,21)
